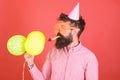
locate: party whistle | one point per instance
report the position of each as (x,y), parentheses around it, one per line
(54,38)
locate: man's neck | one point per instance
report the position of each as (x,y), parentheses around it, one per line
(73,44)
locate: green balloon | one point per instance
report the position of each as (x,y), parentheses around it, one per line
(15,45)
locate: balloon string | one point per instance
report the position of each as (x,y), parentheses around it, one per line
(23,72)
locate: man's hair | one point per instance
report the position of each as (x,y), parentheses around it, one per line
(78,23)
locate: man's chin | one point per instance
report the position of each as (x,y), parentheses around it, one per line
(62,42)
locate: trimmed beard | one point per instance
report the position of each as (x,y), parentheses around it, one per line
(62,41)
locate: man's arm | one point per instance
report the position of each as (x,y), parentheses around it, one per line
(41,75)
(91,72)
(35,72)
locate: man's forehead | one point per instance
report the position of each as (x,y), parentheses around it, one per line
(67,24)
(63,22)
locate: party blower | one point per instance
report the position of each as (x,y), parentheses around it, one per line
(54,38)
(34,44)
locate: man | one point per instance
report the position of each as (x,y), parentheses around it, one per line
(69,59)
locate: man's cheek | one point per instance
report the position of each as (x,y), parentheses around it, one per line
(62,31)
(56,30)
(59,30)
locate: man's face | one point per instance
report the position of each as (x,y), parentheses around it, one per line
(66,31)
(63,30)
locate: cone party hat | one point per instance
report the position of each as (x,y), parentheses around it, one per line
(74,14)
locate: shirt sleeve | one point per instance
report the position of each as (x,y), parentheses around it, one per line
(91,72)
(44,74)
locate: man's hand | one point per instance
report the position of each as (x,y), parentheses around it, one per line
(29,59)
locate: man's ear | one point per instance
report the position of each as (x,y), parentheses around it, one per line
(75,31)
(78,29)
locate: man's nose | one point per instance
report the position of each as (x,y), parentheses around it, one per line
(57,30)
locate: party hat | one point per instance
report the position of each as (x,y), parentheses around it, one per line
(74,14)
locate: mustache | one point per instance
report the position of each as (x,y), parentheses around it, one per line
(59,34)
(56,37)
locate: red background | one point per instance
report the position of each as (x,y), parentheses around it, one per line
(101,34)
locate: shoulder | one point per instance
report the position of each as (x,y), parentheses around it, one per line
(86,51)
(89,54)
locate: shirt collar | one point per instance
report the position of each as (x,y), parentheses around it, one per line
(74,49)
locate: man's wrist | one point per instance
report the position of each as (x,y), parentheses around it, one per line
(30,66)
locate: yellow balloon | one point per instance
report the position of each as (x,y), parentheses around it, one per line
(35,43)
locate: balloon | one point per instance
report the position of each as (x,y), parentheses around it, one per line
(35,43)
(15,45)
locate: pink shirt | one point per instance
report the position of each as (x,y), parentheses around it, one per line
(78,63)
